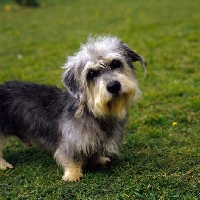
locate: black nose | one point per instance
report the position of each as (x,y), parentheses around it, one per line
(114,87)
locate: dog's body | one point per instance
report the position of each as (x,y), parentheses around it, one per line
(84,122)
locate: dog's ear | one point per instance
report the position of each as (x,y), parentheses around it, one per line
(133,56)
(72,86)
(70,82)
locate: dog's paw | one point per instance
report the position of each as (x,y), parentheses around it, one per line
(73,172)
(103,161)
(72,176)
(4,165)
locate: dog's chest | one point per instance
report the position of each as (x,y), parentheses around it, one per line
(102,136)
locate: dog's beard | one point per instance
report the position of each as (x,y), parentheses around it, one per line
(104,104)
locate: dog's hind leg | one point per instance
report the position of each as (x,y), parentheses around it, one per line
(3,164)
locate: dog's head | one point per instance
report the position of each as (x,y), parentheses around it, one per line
(101,76)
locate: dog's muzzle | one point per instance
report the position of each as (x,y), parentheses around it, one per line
(114,87)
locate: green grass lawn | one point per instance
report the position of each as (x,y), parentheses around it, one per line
(160,158)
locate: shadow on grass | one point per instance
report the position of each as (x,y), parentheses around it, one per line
(29,158)
(137,170)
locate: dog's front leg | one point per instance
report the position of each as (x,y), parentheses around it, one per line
(72,166)
(73,171)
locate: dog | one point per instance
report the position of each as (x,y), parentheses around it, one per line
(86,121)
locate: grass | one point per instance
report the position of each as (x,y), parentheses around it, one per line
(160,158)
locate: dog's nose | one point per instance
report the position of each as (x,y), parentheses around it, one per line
(114,87)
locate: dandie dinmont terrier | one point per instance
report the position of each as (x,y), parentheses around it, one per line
(84,122)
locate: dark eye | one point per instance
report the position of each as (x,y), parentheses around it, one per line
(115,64)
(92,74)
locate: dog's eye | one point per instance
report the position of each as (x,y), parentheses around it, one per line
(115,64)
(92,74)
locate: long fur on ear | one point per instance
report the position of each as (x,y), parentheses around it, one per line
(80,109)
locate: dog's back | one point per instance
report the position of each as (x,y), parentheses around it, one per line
(29,110)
